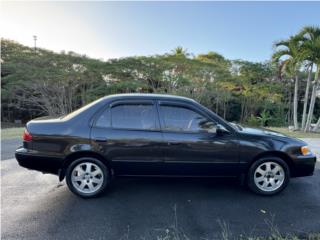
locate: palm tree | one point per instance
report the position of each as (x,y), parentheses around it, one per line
(180,51)
(290,49)
(311,50)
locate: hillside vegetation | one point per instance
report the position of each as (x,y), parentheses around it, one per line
(37,82)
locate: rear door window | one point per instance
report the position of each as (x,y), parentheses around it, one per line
(140,116)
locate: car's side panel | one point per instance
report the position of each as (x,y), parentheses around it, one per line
(253,147)
(198,153)
(130,152)
(201,154)
(61,145)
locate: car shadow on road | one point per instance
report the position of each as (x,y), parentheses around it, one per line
(202,205)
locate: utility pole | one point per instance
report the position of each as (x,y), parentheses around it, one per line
(35,42)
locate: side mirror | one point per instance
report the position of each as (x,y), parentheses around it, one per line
(213,130)
(221,131)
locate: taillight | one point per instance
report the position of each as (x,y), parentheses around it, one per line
(26,136)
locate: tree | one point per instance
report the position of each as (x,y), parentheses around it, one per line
(290,49)
(180,51)
(48,83)
(44,82)
(256,88)
(311,51)
(214,58)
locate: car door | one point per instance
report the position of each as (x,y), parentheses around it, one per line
(193,146)
(128,134)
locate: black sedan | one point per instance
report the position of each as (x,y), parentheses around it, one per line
(158,135)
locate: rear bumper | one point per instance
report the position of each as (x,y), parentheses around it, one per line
(33,160)
(303,165)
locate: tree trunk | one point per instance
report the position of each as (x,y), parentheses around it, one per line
(289,105)
(311,107)
(313,100)
(217,106)
(295,104)
(306,98)
(224,109)
(317,125)
(243,106)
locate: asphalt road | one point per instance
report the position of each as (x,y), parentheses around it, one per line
(8,147)
(37,206)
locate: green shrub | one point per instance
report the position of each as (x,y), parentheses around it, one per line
(253,121)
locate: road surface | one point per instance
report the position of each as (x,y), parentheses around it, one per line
(37,206)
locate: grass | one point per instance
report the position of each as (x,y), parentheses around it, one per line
(296,134)
(11,133)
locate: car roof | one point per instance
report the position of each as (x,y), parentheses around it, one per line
(148,96)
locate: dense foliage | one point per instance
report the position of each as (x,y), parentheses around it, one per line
(37,82)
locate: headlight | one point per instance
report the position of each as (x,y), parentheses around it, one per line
(305,150)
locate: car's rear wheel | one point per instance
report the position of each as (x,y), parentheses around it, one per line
(268,176)
(87,177)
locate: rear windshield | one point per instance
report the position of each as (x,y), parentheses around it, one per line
(80,110)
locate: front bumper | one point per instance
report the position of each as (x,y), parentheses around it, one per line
(35,161)
(303,165)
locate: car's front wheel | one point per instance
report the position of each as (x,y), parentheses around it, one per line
(87,177)
(268,176)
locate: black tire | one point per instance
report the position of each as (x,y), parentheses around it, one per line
(251,174)
(105,172)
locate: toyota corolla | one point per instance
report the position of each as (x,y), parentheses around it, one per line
(158,135)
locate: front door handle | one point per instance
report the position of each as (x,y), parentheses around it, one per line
(100,139)
(174,143)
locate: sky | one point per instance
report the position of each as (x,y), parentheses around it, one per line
(104,30)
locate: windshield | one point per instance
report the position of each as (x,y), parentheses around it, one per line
(236,126)
(229,124)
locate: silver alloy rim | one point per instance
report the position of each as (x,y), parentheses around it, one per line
(269,176)
(87,177)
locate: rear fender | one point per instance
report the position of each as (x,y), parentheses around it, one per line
(80,154)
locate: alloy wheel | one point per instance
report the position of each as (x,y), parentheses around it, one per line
(87,177)
(269,176)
